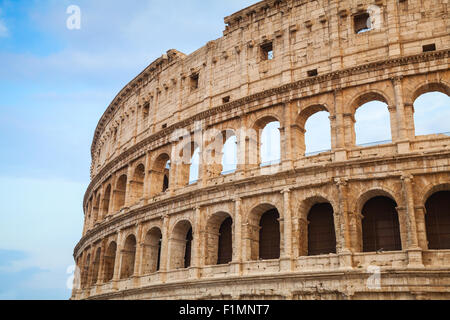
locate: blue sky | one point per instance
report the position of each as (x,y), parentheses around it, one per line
(55,84)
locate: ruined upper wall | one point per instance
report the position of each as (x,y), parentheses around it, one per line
(307,37)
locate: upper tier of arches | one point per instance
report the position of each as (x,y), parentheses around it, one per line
(232,69)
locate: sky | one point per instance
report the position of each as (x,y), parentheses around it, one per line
(55,83)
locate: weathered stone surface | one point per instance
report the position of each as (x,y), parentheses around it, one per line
(319,64)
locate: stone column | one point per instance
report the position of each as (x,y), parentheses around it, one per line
(128,195)
(413,249)
(237,239)
(197,243)
(148,176)
(139,252)
(342,227)
(403,142)
(287,256)
(164,260)
(421,227)
(118,260)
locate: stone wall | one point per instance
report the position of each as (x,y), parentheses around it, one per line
(319,64)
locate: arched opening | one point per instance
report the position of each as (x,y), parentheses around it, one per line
(106,198)
(431,113)
(128,257)
(219,241)
(373,124)
(229,158)
(166,177)
(269,235)
(120,193)
(180,245)
(160,175)
(321,230)
(270,140)
(95,267)
(380,225)
(190,155)
(188,251)
(96,208)
(152,251)
(437,220)
(313,131)
(85,277)
(225,254)
(137,184)
(110,259)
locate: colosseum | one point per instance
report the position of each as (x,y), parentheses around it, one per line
(351,223)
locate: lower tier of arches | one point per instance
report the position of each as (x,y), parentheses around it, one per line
(384,276)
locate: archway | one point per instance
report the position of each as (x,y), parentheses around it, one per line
(219,241)
(180,245)
(437,220)
(128,257)
(380,225)
(321,230)
(152,251)
(120,193)
(109,261)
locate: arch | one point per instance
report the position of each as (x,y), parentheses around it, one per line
(269,143)
(137,183)
(190,164)
(128,257)
(160,176)
(95,266)
(219,239)
(437,220)
(152,251)
(106,201)
(120,193)
(380,225)
(309,144)
(423,88)
(321,230)
(431,111)
(109,261)
(96,208)
(180,245)
(264,232)
(85,274)
(373,123)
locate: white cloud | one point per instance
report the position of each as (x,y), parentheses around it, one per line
(3,29)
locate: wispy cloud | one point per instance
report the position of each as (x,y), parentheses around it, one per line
(4,32)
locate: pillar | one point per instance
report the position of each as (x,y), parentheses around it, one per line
(287,255)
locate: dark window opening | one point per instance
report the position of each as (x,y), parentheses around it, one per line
(188,250)
(437,221)
(380,226)
(429,47)
(269,235)
(146,110)
(321,231)
(267,51)
(226,99)
(164,126)
(362,22)
(225,242)
(158,264)
(194,81)
(312,73)
(165,183)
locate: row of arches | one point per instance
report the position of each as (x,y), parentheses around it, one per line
(224,152)
(380,232)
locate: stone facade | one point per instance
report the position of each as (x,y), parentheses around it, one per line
(136,232)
